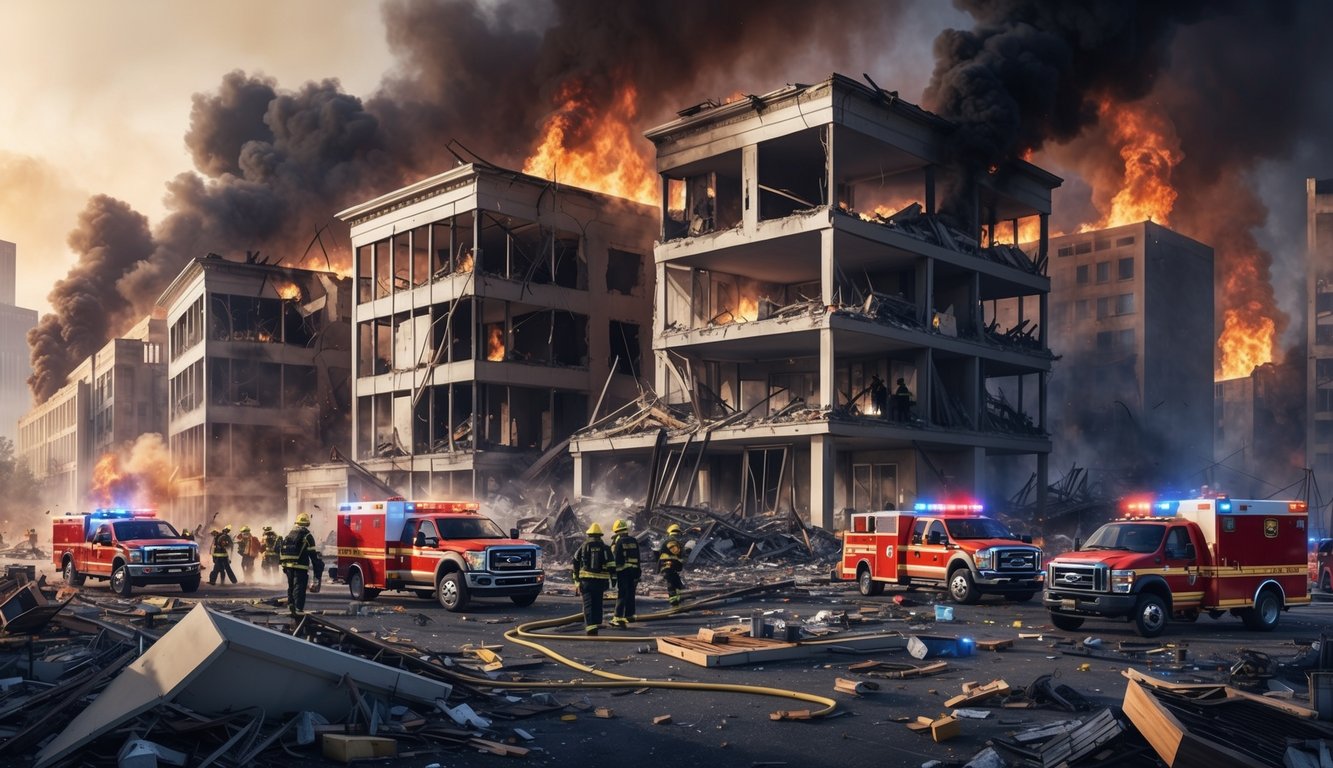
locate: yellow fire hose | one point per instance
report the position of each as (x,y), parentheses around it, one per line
(524,634)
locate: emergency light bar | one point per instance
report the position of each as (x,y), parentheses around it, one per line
(120,513)
(927,506)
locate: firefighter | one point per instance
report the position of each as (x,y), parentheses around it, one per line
(670,564)
(32,542)
(247,546)
(625,554)
(269,544)
(296,552)
(187,534)
(593,565)
(222,544)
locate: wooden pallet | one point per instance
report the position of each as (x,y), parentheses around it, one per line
(743,649)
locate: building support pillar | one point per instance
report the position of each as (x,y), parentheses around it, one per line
(827,360)
(582,476)
(750,187)
(823,466)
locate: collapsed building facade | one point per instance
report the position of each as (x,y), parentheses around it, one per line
(258,380)
(1132,321)
(491,309)
(801,267)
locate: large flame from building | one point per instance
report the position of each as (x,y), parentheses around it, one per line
(495,343)
(286,290)
(1248,335)
(139,476)
(596,152)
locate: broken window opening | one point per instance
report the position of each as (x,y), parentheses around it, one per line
(245,318)
(793,174)
(626,347)
(421,267)
(383,269)
(624,272)
(365,274)
(763,478)
(874,487)
(402,262)
(569,267)
(300,386)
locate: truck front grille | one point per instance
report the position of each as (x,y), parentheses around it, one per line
(1017,560)
(512,559)
(1083,578)
(168,555)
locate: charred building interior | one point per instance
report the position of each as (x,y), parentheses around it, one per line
(824,340)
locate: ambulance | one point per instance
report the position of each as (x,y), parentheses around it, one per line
(949,545)
(128,547)
(1182,558)
(443,550)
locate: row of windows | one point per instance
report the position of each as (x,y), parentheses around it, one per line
(1124,271)
(1115,341)
(188,329)
(1106,306)
(1099,244)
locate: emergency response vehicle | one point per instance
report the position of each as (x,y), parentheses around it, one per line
(445,550)
(129,547)
(947,545)
(1184,558)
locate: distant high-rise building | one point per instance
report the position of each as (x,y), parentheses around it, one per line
(1131,397)
(15,359)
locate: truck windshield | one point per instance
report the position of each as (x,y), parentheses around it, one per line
(469,528)
(1135,537)
(978,528)
(128,530)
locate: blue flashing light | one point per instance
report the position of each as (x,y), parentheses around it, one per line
(925,506)
(1165,508)
(1224,506)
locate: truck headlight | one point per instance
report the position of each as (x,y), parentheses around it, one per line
(985,559)
(1122,581)
(136,556)
(537,559)
(476,561)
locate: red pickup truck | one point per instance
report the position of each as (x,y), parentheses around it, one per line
(128,547)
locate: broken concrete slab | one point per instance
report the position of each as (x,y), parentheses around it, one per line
(212,662)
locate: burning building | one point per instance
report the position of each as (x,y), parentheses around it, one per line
(110,399)
(258,380)
(802,273)
(1132,322)
(491,309)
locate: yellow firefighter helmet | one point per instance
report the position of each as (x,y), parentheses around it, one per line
(226,529)
(619,526)
(673,529)
(245,529)
(303,519)
(268,528)
(594,530)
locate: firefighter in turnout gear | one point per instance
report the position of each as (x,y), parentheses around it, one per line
(625,555)
(593,565)
(296,553)
(247,546)
(268,559)
(670,563)
(222,544)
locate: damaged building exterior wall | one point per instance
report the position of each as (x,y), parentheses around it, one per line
(490,306)
(110,399)
(1132,321)
(1319,326)
(15,360)
(801,260)
(258,380)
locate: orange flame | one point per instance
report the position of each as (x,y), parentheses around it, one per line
(495,343)
(139,476)
(465,262)
(107,479)
(1151,151)
(287,290)
(597,152)
(1248,337)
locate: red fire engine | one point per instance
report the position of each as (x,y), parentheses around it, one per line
(129,547)
(445,550)
(1183,558)
(941,545)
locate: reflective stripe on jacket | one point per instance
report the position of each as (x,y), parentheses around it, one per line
(668,558)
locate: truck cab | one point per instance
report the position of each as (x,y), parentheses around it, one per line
(949,545)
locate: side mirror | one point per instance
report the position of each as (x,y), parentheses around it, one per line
(1026,538)
(1190,554)
(420,540)
(513,533)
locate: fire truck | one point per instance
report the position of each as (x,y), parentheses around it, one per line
(446,550)
(948,545)
(1179,559)
(129,547)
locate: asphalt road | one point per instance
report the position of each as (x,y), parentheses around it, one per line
(730,729)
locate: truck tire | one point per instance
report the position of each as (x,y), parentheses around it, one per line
(120,580)
(190,585)
(867,585)
(1150,615)
(961,587)
(523,601)
(1067,623)
(72,576)
(452,592)
(356,584)
(1263,617)
(1325,584)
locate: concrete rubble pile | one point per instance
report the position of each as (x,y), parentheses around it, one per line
(170,681)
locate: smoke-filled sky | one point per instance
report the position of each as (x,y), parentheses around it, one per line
(138,135)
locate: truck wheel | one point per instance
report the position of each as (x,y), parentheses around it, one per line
(1150,615)
(1264,615)
(72,575)
(961,587)
(524,601)
(120,580)
(1324,583)
(1067,623)
(867,585)
(452,592)
(356,583)
(190,585)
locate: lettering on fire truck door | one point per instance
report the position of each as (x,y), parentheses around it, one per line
(1181,569)
(424,552)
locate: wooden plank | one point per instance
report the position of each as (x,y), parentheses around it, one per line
(995,645)
(1169,738)
(742,649)
(977,694)
(709,635)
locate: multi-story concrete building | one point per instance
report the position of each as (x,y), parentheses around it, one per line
(801,273)
(1132,322)
(490,306)
(1319,327)
(108,401)
(258,380)
(15,357)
